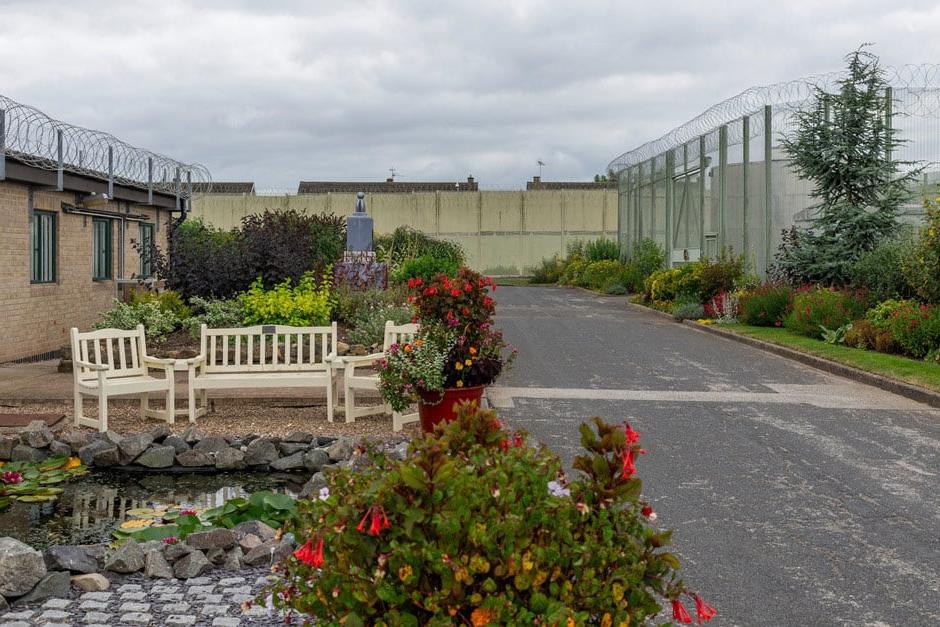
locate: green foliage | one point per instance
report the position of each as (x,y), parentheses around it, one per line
(599,274)
(880,270)
(425,267)
(835,336)
(765,305)
(405,243)
(915,327)
(157,322)
(646,258)
(475,527)
(368,325)
(880,315)
(215,314)
(271,508)
(616,289)
(820,307)
(574,271)
(845,148)
(167,300)
(305,304)
(601,249)
(667,284)
(719,275)
(351,302)
(688,310)
(549,271)
(34,482)
(921,267)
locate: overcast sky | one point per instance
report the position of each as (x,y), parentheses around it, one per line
(276,92)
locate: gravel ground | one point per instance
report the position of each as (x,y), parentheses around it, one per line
(232,417)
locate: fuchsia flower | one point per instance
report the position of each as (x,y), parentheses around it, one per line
(628,469)
(378,522)
(632,436)
(309,555)
(12,477)
(704,612)
(679,613)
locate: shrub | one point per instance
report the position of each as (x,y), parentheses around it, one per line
(406,243)
(688,310)
(616,289)
(599,274)
(549,271)
(601,249)
(880,314)
(305,304)
(646,258)
(862,334)
(765,306)
(667,284)
(166,300)
(879,271)
(368,325)
(215,314)
(350,302)
(574,272)
(821,307)
(921,268)
(719,275)
(475,527)
(425,268)
(157,322)
(915,328)
(724,307)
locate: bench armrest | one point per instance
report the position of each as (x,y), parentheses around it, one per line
(158,362)
(358,360)
(198,360)
(90,366)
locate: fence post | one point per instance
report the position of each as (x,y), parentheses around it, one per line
(889,114)
(746,132)
(701,196)
(3,144)
(149,180)
(110,172)
(60,172)
(722,185)
(768,183)
(670,202)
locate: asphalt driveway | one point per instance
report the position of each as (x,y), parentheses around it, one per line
(797,497)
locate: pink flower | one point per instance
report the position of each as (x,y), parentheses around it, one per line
(188,512)
(12,477)
(170,540)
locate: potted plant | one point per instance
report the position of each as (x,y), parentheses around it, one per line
(456,353)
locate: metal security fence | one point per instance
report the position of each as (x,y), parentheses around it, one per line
(722,180)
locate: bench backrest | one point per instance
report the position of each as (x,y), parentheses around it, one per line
(267,348)
(122,351)
(398,334)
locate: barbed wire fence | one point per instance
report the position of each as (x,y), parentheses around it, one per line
(32,137)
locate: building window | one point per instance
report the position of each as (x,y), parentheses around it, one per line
(146,250)
(42,252)
(101,249)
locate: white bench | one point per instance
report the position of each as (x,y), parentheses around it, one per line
(394,334)
(114,362)
(264,356)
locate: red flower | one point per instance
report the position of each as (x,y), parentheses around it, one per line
(632,436)
(411,283)
(455,292)
(362,523)
(517,440)
(467,288)
(378,521)
(504,445)
(703,610)
(679,613)
(647,511)
(628,468)
(188,512)
(310,556)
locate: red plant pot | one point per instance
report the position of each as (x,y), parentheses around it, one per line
(435,407)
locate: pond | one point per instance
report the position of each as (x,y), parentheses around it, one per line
(92,506)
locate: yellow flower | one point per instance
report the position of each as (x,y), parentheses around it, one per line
(460,384)
(467,362)
(73,462)
(404,572)
(458,366)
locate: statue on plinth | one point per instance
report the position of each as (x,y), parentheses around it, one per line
(359,267)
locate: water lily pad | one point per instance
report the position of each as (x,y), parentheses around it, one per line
(36,498)
(145,512)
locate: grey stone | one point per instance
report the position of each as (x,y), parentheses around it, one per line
(50,615)
(100,618)
(160,433)
(26,453)
(157,456)
(130,587)
(176,608)
(216,556)
(54,584)
(191,458)
(202,588)
(261,555)
(231,581)
(92,582)
(21,567)
(313,486)
(107,451)
(137,618)
(315,459)
(73,558)
(133,445)
(192,435)
(156,566)
(60,448)
(215,610)
(233,559)
(180,620)
(6,447)
(37,434)
(134,606)
(128,558)
(97,606)
(211,444)
(98,597)
(249,542)
(20,615)
(212,539)
(176,442)
(75,439)
(226,621)
(304,437)
(399,451)
(199,581)
(254,527)
(134,596)
(291,462)
(289,448)
(151,545)
(112,436)
(340,450)
(4,606)
(229,459)
(211,598)
(261,452)
(191,565)
(56,604)
(171,597)
(174,552)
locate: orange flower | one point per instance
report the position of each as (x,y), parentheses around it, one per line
(407,348)
(419,342)
(481,617)
(473,351)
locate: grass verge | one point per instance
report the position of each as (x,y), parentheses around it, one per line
(912,371)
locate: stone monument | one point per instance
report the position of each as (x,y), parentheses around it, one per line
(359,268)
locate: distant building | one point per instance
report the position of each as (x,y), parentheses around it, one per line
(388,186)
(224,187)
(538,184)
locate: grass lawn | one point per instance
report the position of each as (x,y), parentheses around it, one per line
(513,280)
(904,369)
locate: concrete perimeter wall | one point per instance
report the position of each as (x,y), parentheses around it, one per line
(503,233)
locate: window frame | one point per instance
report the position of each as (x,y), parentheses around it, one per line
(108,250)
(36,246)
(146,245)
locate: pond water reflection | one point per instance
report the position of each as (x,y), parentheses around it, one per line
(89,508)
